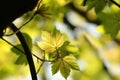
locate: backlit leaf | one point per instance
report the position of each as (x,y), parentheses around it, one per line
(55,67)
(21,60)
(65,65)
(21,57)
(51,42)
(62,66)
(64,69)
(97,4)
(70,60)
(111,22)
(17,51)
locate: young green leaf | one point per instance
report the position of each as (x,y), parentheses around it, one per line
(97,4)
(51,42)
(111,22)
(64,69)
(17,51)
(21,60)
(55,67)
(64,65)
(63,50)
(70,60)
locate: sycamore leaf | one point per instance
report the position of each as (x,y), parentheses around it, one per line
(64,69)
(55,67)
(63,50)
(97,4)
(70,60)
(65,65)
(111,22)
(21,57)
(17,51)
(62,66)
(51,42)
(21,60)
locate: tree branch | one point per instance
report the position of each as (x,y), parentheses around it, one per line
(27,51)
(115,3)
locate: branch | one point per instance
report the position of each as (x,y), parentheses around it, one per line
(32,53)
(115,3)
(27,51)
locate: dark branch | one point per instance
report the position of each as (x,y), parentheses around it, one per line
(115,3)
(27,51)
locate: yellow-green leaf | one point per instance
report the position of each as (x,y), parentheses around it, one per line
(70,60)
(62,66)
(51,42)
(55,67)
(64,69)
(111,22)
(72,48)
(46,46)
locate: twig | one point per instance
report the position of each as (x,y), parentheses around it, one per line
(13,45)
(21,26)
(40,67)
(44,59)
(41,64)
(24,52)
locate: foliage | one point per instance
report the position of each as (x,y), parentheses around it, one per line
(97,4)
(50,42)
(111,22)
(64,65)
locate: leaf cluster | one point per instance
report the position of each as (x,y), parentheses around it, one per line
(65,65)
(57,47)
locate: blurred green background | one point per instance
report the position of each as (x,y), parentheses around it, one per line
(98,55)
